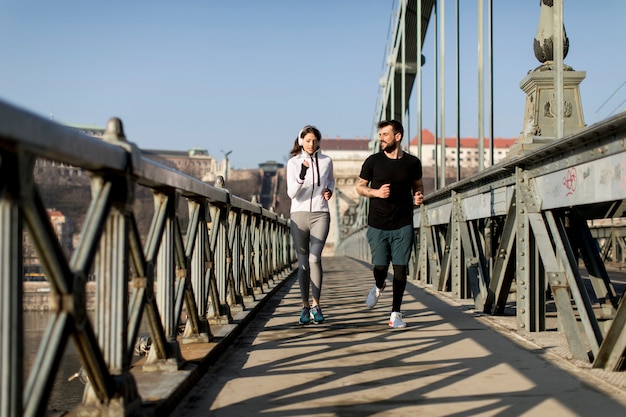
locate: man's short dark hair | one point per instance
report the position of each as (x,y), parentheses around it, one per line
(395,125)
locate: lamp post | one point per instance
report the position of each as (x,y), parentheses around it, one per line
(226,164)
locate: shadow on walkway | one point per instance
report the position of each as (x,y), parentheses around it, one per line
(445,363)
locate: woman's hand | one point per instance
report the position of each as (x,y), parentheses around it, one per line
(303,168)
(327,194)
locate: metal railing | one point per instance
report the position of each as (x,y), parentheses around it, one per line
(229,254)
(522,228)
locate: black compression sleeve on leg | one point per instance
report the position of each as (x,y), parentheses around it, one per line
(399,285)
(380,274)
(399,272)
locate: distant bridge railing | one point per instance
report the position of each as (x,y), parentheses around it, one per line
(525,224)
(230,255)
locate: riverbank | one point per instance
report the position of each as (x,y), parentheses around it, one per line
(36,296)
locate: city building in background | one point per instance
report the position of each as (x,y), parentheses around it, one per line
(468,155)
(32,268)
(265,184)
(196,162)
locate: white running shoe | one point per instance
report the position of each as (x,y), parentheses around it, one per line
(373,295)
(395,320)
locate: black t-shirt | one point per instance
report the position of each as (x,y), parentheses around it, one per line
(395,211)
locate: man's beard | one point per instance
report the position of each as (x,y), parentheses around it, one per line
(390,147)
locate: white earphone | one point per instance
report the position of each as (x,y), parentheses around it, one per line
(300,137)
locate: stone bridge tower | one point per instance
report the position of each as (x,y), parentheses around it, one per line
(539,111)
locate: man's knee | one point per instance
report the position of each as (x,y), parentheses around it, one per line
(380,272)
(400,272)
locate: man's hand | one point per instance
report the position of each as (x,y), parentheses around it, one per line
(418,198)
(384,191)
(362,188)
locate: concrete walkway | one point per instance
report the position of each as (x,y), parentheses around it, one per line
(447,362)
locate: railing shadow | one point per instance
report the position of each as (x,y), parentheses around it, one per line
(446,363)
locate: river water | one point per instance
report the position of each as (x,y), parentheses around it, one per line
(65,394)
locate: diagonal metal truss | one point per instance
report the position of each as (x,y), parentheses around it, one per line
(231,253)
(524,236)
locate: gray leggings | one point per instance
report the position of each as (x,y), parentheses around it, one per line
(309,232)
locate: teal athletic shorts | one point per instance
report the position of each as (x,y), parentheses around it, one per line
(391,245)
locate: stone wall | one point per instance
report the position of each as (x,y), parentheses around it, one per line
(37,296)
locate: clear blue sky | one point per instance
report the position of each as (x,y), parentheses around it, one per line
(245,76)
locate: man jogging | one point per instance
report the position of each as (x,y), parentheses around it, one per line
(392,180)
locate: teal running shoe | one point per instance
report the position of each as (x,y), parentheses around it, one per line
(316,315)
(305,317)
